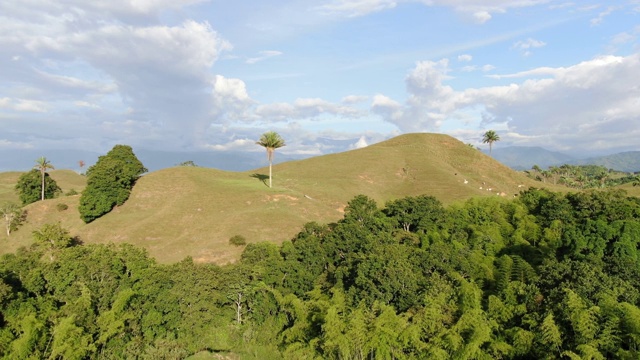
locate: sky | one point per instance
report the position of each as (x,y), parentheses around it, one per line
(327,75)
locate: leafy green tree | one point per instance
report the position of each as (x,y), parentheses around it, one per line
(42,165)
(13,216)
(490,137)
(416,213)
(271,141)
(70,341)
(109,182)
(29,187)
(52,237)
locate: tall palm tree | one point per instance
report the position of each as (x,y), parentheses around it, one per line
(490,137)
(42,165)
(271,140)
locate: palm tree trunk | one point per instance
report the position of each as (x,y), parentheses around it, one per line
(42,197)
(270,173)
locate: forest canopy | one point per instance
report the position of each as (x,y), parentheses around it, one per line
(544,275)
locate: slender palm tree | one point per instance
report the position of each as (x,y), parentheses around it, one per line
(42,164)
(271,140)
(490,137)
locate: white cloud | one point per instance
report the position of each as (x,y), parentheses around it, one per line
(600,18)
(231,102)
(304,108)
(525,46)
(8,144)
(352,8)
(263,55)
(111,64)
(479,10)
(487,67)
(23,105)
(578,105)
(481,17)
(465,57)
(236,145)
(483,68)
(354,99)
(361,143)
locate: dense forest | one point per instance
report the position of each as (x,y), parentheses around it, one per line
(543,275)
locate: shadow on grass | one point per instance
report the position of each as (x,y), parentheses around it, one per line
(261,177)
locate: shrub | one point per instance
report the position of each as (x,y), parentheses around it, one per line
(238,240)
(62,207)
(72,192)
(109,182)
(29,187)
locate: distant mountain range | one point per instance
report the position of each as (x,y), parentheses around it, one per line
(515,157)
(22,160)
(524,157)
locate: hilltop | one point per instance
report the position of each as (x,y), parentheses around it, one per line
(193,211)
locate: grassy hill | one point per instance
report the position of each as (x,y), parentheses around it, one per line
(193,211)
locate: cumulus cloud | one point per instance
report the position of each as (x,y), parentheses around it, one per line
(354,99)
(361,143)
(580,104)
(113,65)
(465,57)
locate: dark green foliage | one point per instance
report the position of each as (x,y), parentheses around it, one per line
(544,276)
(109,182)
(422,213)
(29,187)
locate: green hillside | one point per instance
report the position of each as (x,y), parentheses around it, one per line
(192,211)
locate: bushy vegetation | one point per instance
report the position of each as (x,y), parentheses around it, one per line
(238,240)
(109,182)
(29,187)
(542,276)
(581,176)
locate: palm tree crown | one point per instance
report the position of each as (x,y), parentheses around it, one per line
(271,141)
(42,165)
(490,137)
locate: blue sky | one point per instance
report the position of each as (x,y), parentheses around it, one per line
(327,75)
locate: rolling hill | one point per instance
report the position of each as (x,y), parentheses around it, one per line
(193,211)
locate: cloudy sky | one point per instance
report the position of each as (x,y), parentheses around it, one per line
(328,75)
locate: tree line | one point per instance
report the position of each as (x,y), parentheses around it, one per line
(582,176)
(543,276)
